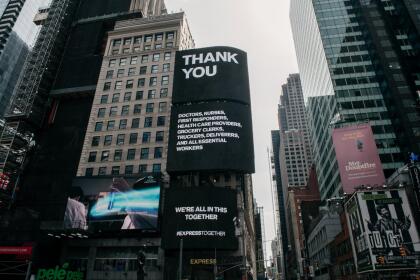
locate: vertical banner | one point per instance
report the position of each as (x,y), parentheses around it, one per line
(357,156)
(383,232)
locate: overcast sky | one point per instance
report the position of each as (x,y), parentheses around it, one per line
(262,29)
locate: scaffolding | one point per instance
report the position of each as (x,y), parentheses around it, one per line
(30,101)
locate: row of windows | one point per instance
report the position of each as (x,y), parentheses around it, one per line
(135,123)
(142,71)
(355,81)
(153,81)
(123,61)
(146,39)
(128,170)
(157,46)
(151,94)
(125,109)
(132,138)
(130,155)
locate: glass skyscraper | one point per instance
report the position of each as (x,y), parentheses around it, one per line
(342,71)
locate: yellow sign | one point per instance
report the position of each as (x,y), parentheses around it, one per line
(203,261)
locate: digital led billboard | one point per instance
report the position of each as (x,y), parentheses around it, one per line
(203,217)
(113,204)
(357,157)
(383,231)
(207,74)
(211,136)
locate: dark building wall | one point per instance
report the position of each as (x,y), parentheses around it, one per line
(94,8)
(55,158)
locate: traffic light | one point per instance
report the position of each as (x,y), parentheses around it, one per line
(402,251)
(381,260)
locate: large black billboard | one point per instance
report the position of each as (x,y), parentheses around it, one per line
(203,217)
(216,73)
(211,136)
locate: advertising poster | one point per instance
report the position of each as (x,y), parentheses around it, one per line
(384,226)
(357,156)
(208,74)
(113,204)
(203,217)
(211,136)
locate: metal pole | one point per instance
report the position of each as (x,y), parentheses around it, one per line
(181,243)
(215,264)
(28,271)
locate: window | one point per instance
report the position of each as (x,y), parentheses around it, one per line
(133,138)
(92,157)
(123,61)
(124,110)
(115,170)
(117,155)
(154,69)
(156,168)
(141,82)
(109,74)
(135,123)
(112,62)
(120,73)
(169,44)
(153,81)
(166,67)
(158,46)
(147,47)
(102,170)
(115,52)
(161,121)
(104,155)
(101,112)
(146,137)
(132,71)
(148,122)
(162,107)
(167,56)
(139,95)
(131,154)
(158,152)
(165,80)
(129,84)
(144,58)
(163,92)
(149,107)
(142,168)
(133,60)
(107,140)
(129,169)
(113,111)
(151,94)
(144,153)
(95,141)
(104,99)
(137,109)
(116,42)
(98,126)
(110,125)
(118,85)
(170,35)
(137,49)
(159,136)
(127,96)
(143,70)
(159,36)
(115,97)
(120,139)
(148,38)
(126,50)
(107,86)
(156,57)
(137,40)
(123,124)
(89,172)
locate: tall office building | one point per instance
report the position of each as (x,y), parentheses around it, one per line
(17,35)
(129,120)
(295,150)
(358,63)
